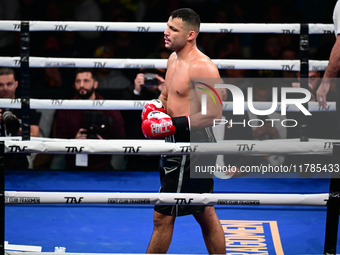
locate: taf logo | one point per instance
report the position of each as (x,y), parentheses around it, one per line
(204,97)
(73,200)
(16,148)
(181,201)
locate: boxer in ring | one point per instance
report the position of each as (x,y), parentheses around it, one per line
(176,116)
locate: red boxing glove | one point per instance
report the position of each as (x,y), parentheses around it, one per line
(153,105)
(158,125)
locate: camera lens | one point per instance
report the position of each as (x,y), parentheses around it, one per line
(12,123)
(150,80)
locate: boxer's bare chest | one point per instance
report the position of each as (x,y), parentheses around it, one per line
(178,79)
(178,87)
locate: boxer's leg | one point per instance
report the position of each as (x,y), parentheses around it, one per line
(162,233)
(212,230)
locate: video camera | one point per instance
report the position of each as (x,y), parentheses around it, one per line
(11,122)
(94,122)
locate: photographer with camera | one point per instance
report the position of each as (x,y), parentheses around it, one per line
(148,84)
(10,119)
(85,124)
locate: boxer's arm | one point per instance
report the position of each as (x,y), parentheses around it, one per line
(206,70)
(163,97)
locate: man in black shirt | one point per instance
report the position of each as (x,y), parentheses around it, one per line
(10,119)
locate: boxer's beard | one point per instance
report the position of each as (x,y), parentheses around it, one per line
(86,95)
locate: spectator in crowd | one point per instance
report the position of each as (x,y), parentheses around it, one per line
(83,124)
(147,85)
(10,119)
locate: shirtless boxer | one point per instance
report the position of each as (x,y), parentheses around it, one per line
(177,113)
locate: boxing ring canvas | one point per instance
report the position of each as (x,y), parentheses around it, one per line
(80,228)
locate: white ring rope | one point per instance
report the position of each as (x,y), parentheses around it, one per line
(62,104)
(14,197)
(39,62)
(160,147)
(14,25)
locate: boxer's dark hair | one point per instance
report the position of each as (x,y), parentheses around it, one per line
(189,16)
